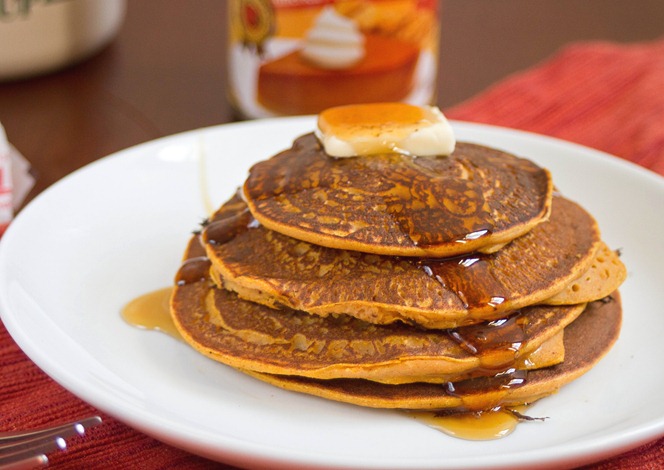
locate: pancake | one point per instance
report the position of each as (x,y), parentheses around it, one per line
(247,335)
(587,340)
(476,199)
(605,274)
(433,293)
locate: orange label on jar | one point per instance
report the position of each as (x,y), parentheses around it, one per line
(291,57)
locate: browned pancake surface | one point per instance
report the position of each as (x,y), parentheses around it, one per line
(605,274)
(475,199)
(270,268)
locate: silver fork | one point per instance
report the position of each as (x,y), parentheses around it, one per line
(27,449)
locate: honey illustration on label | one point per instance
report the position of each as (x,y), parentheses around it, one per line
(317,54)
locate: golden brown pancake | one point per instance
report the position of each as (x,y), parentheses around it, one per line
(476,199)
(433,293)
(605,274)
(587,340)
(247,335)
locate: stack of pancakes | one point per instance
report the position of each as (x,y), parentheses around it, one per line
(462,282)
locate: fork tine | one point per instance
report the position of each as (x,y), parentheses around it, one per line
(79,426)
(29,463)
(27,449)
(38,449)
(29,441)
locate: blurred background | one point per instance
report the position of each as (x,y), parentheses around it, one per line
(486,40)
(165,70)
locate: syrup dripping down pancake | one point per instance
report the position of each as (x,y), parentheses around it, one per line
(476,199)
(247,335)
(434,293)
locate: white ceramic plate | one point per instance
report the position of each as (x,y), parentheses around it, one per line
(116,229)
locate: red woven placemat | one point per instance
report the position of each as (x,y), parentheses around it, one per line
(32,399)
(606,96)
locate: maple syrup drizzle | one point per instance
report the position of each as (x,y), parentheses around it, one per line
(470,277)
(476,426)
(224,229)
(151,311)
(193,270)
(496,343)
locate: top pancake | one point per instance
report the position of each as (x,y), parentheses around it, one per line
(476,199)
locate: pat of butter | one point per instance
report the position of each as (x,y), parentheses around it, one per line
(371,129)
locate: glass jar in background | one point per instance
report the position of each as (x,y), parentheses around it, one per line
(40,36)
(289,57)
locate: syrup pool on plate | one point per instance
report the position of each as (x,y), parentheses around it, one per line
(480,426)
(151,311)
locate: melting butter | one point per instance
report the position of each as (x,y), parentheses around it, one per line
(371,129)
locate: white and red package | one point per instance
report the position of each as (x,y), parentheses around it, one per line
(15,180)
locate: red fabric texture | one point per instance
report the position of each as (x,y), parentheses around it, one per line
(606,96)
